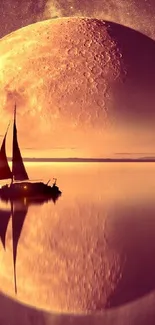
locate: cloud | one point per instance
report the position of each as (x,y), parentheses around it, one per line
(138,16)
(51,148)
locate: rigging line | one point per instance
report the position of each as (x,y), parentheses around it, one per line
(7,128)
(15,112)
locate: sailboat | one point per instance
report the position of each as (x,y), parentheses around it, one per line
(21,186)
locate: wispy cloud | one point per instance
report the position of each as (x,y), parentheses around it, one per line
(51,148)
(134,153)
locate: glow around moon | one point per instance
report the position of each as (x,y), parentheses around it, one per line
(78,82)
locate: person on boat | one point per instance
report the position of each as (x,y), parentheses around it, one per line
(55,180)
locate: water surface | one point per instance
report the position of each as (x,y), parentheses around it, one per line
(94,248)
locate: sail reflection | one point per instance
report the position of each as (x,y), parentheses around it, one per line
(17,211)
(4,220)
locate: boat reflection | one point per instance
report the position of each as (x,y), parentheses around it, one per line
(4,220)
(17,211)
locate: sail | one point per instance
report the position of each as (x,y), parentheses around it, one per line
(5,171)
(18,217)
(18,169)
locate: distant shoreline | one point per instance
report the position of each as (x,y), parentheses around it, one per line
(89,160)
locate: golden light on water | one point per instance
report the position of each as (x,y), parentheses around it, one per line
(73,255)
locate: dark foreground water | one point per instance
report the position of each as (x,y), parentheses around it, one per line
(92,252)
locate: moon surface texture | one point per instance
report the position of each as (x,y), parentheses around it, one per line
(79,82)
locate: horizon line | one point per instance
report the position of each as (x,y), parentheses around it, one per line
(75,159)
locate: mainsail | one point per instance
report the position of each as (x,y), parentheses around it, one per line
(5,171)
(18,170)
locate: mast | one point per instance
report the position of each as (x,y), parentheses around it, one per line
(18,169)
(5,171)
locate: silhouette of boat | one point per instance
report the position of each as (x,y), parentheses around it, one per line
(21,186)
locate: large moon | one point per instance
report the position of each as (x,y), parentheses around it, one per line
(78,82)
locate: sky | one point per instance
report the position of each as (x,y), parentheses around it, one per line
(137,14)
(132,137)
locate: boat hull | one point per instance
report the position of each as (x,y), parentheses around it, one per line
(30,191)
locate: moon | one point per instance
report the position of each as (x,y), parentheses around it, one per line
(78,81)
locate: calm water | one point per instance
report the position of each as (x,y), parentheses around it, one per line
(93,249)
